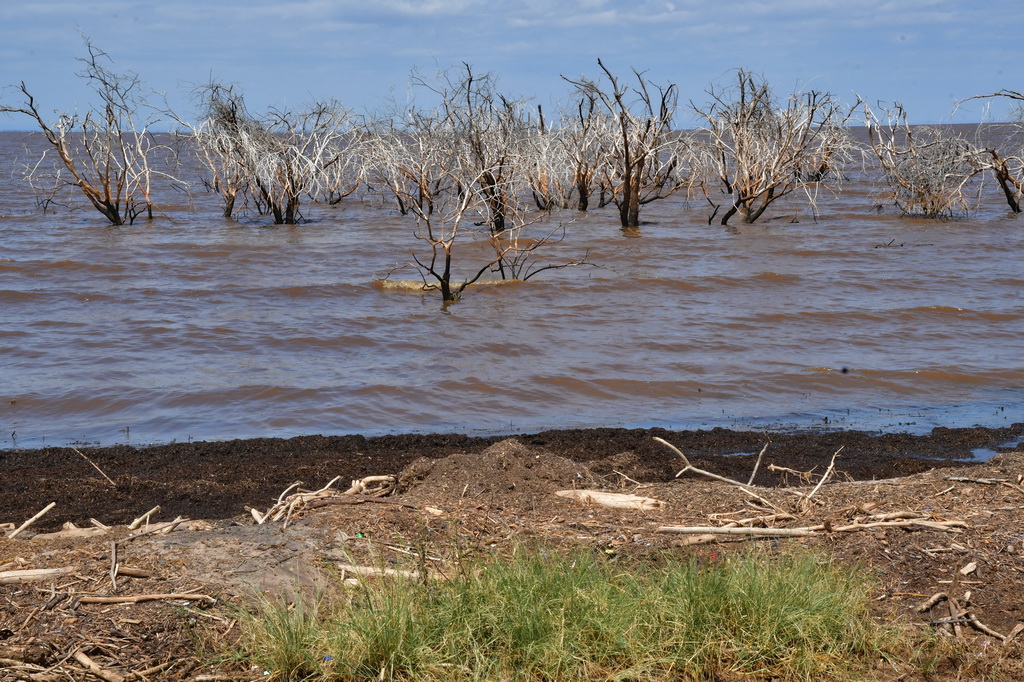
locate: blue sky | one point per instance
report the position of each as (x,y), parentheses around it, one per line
(925,53)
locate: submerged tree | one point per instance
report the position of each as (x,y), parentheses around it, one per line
(640,151)
(105,152)
(1006,160)
(754,151)
(459,172)
(563,156)
(273,160)
(927,169)
(488,128)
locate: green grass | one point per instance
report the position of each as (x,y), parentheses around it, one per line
(540,616)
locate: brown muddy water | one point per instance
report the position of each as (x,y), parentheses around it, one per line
(196,327)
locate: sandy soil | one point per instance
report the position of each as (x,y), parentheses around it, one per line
(959,527)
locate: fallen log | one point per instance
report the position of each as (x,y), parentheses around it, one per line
(32,575)
(616,500)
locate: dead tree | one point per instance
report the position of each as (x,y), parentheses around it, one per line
(421,165)
(105,152)
(754,151)
(273,160)
(222,136)
(641,159)
(563,156)
(419,159)
(928,170)
(1006,161)
(487,127)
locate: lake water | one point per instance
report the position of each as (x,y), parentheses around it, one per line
(197,327)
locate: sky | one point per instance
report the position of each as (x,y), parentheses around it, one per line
(926,54)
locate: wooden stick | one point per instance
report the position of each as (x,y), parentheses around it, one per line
(113,566)
(828,472)
(134,525)
(982,481)
(95,467)
(931,601)
(761,499)
(981,627)
(95,669)
(757,464)
(70,533)
(164,528)
(133,572)
(356,499)
(690,467)
(35,518)
(734,530)
(90,599)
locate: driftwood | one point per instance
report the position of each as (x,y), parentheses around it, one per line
(70,530)
(371,571)
(32,575)
(32,520)
(738,530)
(130,572)
(137,523)
(982,481)
(289,502)
(880,521)
(186,596)
(960,615)
(162,528)
(357,499)
(745,488)
(757,464)
(94,466)
(616,500)
(91,666)
(689,467)
(828,472)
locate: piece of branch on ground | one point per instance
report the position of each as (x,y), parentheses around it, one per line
(13,534)
(616,500)
(162,528)
(288,502)
(982,481)
(828,472)
(184,596)
(134,525)
(951,526)
(757,464)
(95,669)
(32,575)
(95,466)
(689,467)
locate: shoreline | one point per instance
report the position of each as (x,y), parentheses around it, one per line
(807,426)
(218,479)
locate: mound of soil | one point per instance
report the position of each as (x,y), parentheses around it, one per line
(458,496)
